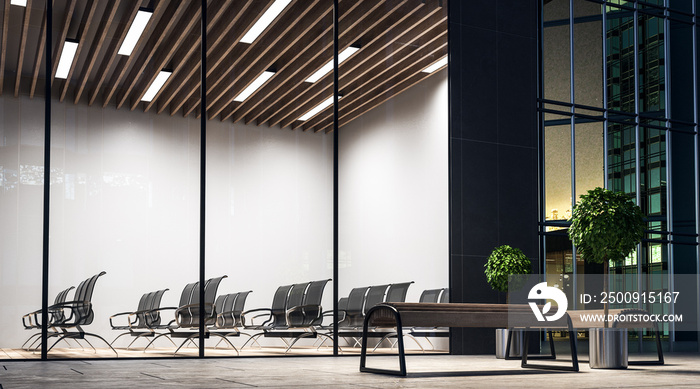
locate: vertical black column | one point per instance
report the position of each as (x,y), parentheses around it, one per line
(493,147)
(202,173)
(336,14)
(47,183)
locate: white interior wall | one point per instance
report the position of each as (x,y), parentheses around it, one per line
(393,192)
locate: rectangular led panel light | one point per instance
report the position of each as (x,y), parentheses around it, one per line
(318,109)
(265,20)
(437,65)
(132,37)
(327,68)
(67,55)
(158,83)
(21,3)
(254,86)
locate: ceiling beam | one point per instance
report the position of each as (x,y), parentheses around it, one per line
(39,56)
(22,45)
(105,23)
(255,65)
(58,49)
(88,17)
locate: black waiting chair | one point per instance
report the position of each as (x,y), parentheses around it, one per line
(295,314)
(32,321)
(432,296)
(186,322)
(229,308)
(77,314)
(140,323)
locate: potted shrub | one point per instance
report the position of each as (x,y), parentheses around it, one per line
(503,262)
(606,226)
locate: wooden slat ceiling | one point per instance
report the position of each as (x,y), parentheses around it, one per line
(397,40)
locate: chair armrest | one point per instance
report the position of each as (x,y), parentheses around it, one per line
(188,306)
(244,314)
(74,316)
(301,308)
(111,322)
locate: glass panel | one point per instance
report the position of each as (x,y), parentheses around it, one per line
(269,198)
(621,154)
(652,97)
(125,198)
(590,156)
(557,176)
(392,154)
(620,60)
(22,182)
(588,54)
(682,78)
(556,51)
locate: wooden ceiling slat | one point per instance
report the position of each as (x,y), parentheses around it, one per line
(366,89)
(88,17)
(189,65)
(3,53)
(298,69)
(111,53)
(22,45)
(404,54)
(186,34)
(39,55)
(384,34)
(58,49)
(380,21)
(177,15)
(380,98)
(257,64)
(161,18)
(105,23)
(248,17)
(280,27)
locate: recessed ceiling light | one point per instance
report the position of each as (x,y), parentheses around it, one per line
(137,27)
(318,109)
(21,3)
(327,68)
(266,75)
(265,20)
(437,65)
(69,48)
(158,83)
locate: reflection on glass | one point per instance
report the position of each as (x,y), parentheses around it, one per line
(558,171)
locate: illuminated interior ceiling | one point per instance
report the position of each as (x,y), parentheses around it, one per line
(396,39)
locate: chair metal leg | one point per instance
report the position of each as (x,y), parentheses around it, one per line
(154,339)
(223,338)
(189,338)
(253,338)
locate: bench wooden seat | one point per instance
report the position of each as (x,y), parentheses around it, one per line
(476,315)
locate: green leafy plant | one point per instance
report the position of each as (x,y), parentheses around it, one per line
(606,226)
(503,262)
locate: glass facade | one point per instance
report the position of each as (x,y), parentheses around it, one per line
(192,176)
(630,99)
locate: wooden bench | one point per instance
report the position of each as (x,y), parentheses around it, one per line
(475,315)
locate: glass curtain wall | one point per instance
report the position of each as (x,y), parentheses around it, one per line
(126,176)
(22,70)
(611,115)
(393,150)
(269,199)
(138,152)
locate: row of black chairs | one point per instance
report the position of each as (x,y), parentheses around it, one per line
(295,313)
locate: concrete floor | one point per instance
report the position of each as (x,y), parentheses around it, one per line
(425,371)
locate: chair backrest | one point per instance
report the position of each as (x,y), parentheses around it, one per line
(313,311)
(295,299)
(239,305)
(190,316)
(83,296)
(354,313)
(279,306)
(375,296)
(430,296)
(397,292)
(57,315)
(445,297)
(153,303)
